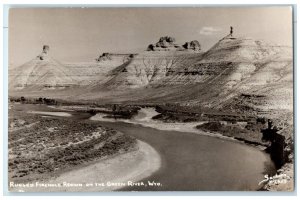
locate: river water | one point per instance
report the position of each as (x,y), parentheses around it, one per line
(195,162)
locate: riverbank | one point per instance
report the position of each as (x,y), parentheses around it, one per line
(145,118)
(104,175)
(242,132)
(199,159)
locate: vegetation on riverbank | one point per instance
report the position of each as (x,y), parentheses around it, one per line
(275,134)
(42,146)
(250,133)
(178,113)
(121,112)
(115,111)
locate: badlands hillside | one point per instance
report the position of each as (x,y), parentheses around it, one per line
(46,73)
(240,75)
(237,74)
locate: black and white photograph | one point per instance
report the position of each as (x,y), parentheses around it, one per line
(151,99)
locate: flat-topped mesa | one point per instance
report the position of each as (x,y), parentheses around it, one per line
(167,43)
(44,54)
(111,56)
(103,57)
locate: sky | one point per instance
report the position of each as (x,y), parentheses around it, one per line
(82,34)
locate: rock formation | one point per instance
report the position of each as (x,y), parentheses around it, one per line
(115,56)
(192,45)
(46,49)
(44,54)
(103,57)
(42,72)
(164,44)
(167,43)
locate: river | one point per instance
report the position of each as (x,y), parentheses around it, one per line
(195,162)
